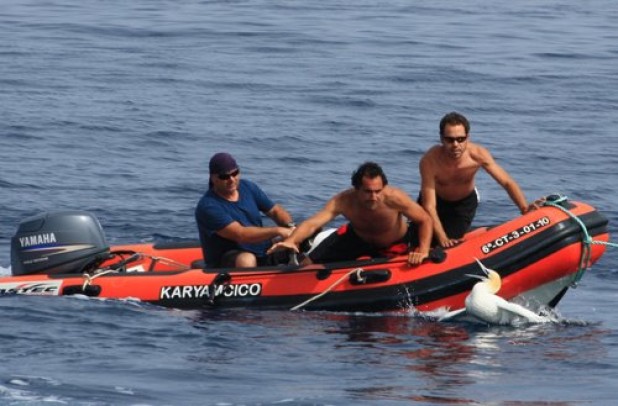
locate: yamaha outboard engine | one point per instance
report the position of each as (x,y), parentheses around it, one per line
(57,242)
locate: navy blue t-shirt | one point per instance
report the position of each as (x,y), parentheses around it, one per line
(214,213)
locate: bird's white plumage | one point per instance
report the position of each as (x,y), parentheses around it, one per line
(485,305)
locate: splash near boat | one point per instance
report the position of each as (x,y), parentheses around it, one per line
(538,256)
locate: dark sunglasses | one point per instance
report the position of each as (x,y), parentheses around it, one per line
(226,176)
(451,140)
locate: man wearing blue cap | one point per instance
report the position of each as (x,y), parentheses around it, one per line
(229,220)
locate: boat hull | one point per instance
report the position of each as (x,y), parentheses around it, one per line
(537,255)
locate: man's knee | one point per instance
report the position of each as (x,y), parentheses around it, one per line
(238,259)
(246,260)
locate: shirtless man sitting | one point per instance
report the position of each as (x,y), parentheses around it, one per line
(377,219)
(448,190)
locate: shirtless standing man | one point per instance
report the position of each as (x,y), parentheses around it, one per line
(377,219)
(448,191)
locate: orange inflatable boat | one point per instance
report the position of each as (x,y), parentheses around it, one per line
(539,255)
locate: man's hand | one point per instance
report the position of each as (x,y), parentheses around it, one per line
(535,205)
(285,232)
(283,245)
(449,242)
(416,258)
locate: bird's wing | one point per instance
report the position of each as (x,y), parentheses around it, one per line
(453,315)
(518,310)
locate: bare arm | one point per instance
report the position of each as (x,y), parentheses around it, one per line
(309,226)
(504,179)
(415,213)
(279,215)
(251,235)
(429,201)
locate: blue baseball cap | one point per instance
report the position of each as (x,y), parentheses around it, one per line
(222,162)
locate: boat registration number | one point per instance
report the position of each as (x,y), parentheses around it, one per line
(515,235)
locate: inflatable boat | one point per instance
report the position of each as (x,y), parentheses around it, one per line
(539,255)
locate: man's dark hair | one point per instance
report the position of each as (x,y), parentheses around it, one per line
(370,170)
(454,118)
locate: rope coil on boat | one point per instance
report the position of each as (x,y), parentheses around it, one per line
(121,267)
(587,241)
(89,278)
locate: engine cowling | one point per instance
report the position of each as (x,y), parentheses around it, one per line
(57,242)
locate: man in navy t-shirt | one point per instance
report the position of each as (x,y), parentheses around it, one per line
(229,218)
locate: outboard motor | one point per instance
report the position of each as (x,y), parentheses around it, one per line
(57,242)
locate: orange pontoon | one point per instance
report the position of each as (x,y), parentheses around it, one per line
(538,255)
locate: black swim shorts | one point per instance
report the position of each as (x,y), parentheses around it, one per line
(457,216)
(345,245)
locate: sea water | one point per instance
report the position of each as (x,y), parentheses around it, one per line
(115,107)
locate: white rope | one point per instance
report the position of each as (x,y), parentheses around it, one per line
(331,287)
(89,278)
(167,261)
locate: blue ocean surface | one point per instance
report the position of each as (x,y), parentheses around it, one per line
(116,106)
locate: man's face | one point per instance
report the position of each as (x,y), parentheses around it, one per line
(454,140)
(370,192)
(226,182)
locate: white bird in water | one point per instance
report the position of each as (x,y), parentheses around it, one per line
(485,305)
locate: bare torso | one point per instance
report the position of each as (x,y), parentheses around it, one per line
(454,179)
(382,225)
